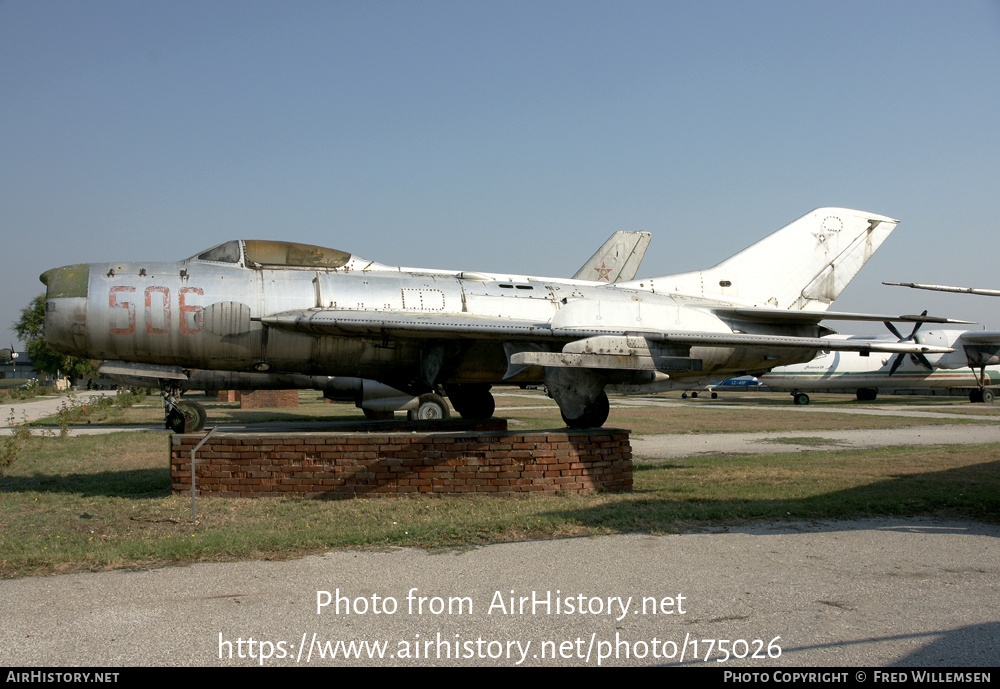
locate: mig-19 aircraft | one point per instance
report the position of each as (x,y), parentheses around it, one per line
(617,259)
(282,307)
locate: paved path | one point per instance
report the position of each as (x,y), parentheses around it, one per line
(655,447)
(37,408)
(856,594)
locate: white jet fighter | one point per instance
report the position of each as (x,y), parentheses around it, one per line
(617,259)
(276,306)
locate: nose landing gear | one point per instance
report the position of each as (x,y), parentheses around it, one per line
(182,417)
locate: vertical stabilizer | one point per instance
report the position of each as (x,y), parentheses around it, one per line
(618,259)
(802,266)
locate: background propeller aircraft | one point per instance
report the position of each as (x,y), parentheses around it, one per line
(981,348)
(845,371)
(281,307)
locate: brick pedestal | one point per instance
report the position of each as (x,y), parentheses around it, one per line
(341,465)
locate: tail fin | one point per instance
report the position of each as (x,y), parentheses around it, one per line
(618,259)
(803,266)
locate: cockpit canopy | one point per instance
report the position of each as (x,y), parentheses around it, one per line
(254,253)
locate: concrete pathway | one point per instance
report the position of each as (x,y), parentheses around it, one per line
(657,447)
(38,408)
(861,594)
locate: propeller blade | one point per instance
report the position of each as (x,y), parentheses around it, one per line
(893,330)
(896,362)
(923,361)
(916,327)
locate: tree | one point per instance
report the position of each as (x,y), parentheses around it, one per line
(30,329)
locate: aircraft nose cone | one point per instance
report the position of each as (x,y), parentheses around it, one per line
(66,308)
(68,281)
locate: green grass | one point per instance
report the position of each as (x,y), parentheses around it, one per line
(104,502)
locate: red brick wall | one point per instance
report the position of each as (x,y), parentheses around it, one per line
(350,464)
(257,399)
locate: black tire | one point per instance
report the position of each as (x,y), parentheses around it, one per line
(594,416)
(987,397)
(187,417)
(175,421)
(472,401)
(802,399)
(976,396)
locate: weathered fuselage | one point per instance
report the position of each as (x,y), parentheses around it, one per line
(207,314)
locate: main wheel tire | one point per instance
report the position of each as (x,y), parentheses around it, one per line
(976,396)
(472,401)
(594,416)
(867,394)
(430,407)
(987,396)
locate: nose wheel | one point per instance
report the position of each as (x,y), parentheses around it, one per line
(187,417)
(182,417)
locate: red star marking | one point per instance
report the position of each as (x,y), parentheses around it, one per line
(603,272)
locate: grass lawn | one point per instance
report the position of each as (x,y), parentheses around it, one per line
(102,502)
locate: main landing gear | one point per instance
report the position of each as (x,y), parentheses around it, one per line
(580,396)
(594,414)
(471,400)
(981,396)
(800,398)
(430,407)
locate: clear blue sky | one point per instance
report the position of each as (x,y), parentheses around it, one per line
(501,136)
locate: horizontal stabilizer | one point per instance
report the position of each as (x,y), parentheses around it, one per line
(780,342)
(771,315)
